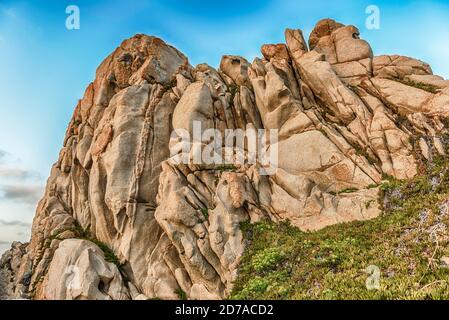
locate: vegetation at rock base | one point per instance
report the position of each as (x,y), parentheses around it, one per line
(339,127)
(406,243)
(109,254)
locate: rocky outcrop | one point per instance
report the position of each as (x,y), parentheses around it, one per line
(78,271)
(15,272)
(345,119)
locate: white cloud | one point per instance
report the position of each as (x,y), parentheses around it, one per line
(14,223)
(18,184)
(3,155)
(21,193)
(4,245)
(18,174)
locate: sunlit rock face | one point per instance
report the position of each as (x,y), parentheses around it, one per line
(345,119)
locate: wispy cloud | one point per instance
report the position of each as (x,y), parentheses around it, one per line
(10,168)
(3,155)
(19,184)
(23,194)
(7,158)
(14,223)
(19,174)
(2,243)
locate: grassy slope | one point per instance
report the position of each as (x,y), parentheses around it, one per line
(406,243)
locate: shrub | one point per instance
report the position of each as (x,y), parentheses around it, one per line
(267,259)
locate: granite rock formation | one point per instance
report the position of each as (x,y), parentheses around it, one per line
(346,119)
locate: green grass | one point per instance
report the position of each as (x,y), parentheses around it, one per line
(109,254)
(426,87)
(227,167)
(267,259)
(349,190)
(205,212)
(181,294)
(233,89)
(405,243)
(364,153)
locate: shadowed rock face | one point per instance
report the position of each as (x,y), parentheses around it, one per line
(345,119)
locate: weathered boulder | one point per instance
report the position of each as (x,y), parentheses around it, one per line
(78,271)
(236,68)
(15,271)
(323,28)
(398,67)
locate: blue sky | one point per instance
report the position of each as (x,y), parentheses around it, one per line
(44,68)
